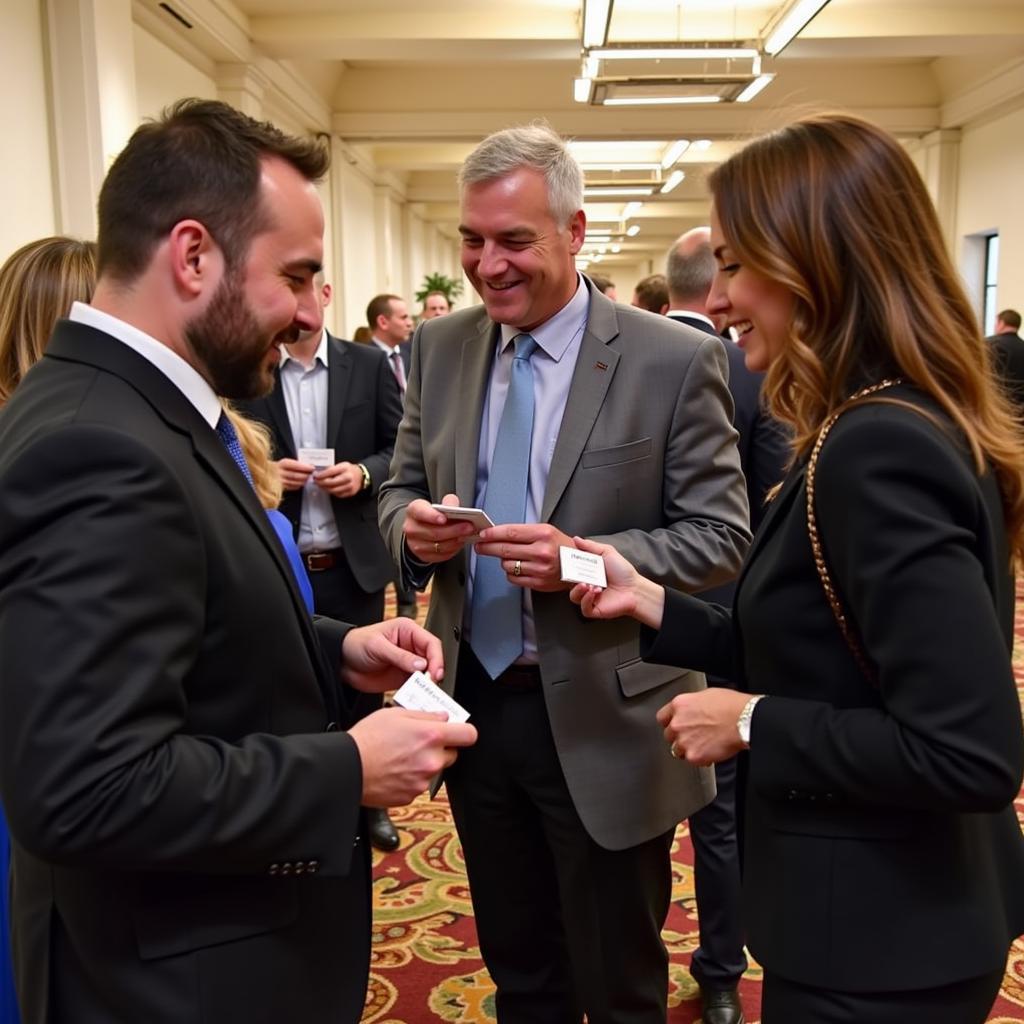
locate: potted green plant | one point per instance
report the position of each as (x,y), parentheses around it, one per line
(449,287)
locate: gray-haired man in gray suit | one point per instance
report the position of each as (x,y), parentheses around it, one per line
(567,806)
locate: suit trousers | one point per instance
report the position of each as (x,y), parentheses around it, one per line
(337,595)
(962,1002)
(566,927)
(719,960)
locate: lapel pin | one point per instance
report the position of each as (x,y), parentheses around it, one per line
(600,366)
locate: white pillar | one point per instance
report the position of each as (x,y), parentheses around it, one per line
(941,152)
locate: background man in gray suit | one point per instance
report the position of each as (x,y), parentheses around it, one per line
(567,813)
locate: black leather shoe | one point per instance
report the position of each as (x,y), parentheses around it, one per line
(410,611)
(382,832)
(720,1006)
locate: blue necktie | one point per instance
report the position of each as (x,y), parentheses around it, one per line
(229,438)
(497,638)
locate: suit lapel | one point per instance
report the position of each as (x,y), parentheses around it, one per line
(474,377)
(595,368)
(278,409)
(79,343)
(339,374)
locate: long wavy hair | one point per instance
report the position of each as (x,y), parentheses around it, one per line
(38,284)
(833,208)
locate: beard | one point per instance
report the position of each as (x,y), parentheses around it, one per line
(231,346)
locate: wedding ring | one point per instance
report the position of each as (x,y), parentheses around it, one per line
(672,750)
(517,569)
(437,547)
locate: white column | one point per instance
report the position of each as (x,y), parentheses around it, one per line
(941,156)
(244,87)
(92,73)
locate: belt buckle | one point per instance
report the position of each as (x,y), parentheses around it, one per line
(318,561)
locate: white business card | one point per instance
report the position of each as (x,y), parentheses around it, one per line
(420,693)
(582,567)
(321,458)
(477,516)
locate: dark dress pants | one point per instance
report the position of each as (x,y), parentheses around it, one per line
(565,926)
(962,1002)
(719,960)
(337,595)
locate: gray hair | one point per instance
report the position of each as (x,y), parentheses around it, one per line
(537,146)
(691,273)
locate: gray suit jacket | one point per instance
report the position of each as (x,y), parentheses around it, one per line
(645,460)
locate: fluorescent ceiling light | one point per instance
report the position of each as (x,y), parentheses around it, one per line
(673,179)
(658,101)
(590,66)
(599,190)
(598,239)
(621,166)
(754,88)
(633,230)
(674,52)
(596,16)
(631,209)
(581,90)
(616,248)
(792,23)
(674,152)
(701,144)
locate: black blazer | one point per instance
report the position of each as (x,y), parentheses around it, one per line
(364,408)
(184,829)
(1008,360)
(879,818)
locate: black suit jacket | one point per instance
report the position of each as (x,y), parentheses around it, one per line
(879,817)
(1008,359)
(184,828)
(364,408)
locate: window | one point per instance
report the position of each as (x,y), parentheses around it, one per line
(991,276)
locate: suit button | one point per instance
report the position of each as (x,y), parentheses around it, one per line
(462,578)
(312,867)
(457,633)
(286,868)
(273,869)
(300,867)
(331,727)
(792,795)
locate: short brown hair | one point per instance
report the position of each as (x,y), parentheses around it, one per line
(380,305)
(38,284)
(200,160)
(1010,317)
(652,293)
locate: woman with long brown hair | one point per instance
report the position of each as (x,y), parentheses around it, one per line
(872,625)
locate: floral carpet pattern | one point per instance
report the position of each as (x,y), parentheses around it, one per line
(425,963)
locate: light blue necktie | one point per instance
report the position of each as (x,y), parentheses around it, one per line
(498,605)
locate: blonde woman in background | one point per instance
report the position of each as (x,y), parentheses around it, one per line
(38,284)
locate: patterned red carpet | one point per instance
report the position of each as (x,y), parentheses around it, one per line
(426,964)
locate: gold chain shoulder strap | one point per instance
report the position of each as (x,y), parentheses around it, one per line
(812,527)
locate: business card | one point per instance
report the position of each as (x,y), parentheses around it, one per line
(420,693)
(477,516)
(321,458)
(582,567)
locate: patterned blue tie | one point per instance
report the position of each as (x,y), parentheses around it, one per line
(498,605)
(228,437)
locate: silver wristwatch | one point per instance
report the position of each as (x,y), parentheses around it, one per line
(743,722)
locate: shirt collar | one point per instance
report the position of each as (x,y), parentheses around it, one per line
(384,346)
(181,374)
(320,355)
(555,335)
(693,316)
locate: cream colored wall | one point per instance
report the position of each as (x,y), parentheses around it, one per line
(989,198)
(162,76)
(356,241)
(26,171)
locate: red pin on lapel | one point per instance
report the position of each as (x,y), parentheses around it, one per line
(600,366)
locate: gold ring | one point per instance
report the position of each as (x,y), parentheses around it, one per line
(517,569)
(672,750)
(437,547)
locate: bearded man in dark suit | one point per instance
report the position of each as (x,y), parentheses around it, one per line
(183,800)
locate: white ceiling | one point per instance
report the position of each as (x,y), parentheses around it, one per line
(413,86)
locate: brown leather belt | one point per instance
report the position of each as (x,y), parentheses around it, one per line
(317,561)
(520,677)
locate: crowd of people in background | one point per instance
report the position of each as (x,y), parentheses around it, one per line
(204,494)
